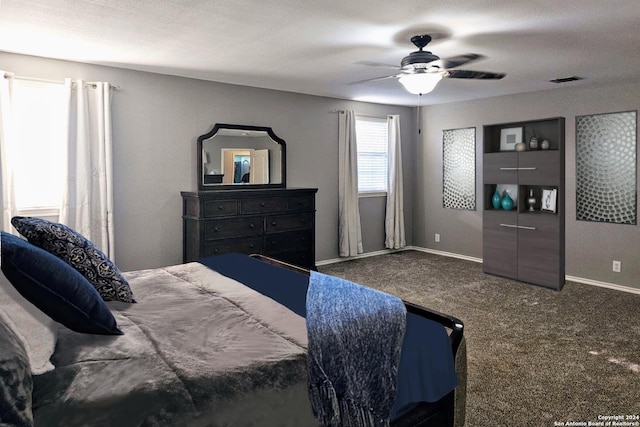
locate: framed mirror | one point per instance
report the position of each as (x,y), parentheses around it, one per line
(240,156)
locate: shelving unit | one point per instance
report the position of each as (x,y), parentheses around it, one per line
(521,244)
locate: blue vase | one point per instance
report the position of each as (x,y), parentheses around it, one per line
(496,200)
(507,202)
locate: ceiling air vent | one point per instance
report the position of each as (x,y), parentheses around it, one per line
(566,79)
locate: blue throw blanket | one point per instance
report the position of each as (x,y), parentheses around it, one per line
(355,337)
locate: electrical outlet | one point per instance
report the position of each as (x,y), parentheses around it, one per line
(437,237)
(616,266)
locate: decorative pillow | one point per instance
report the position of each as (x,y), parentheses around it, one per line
(37,331)
(77,251)
(16,384)
(55,287)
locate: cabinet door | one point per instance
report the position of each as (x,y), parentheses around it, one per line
(539,168)
(539,249)
(500,168)
(500,244)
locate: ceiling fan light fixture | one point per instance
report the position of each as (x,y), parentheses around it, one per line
(420,83)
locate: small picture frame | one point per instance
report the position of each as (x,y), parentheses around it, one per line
(549,199)
(509,137)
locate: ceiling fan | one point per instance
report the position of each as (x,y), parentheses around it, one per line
(420,71)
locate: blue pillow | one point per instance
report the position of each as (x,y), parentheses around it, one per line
(55,287)
(79,252)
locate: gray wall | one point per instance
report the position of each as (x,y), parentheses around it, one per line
(157,119)
(590,247)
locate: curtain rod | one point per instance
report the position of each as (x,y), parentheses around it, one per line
(35,79)
(363,115)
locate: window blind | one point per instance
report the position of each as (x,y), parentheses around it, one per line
(373,147)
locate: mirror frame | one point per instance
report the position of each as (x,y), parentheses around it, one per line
(214,187)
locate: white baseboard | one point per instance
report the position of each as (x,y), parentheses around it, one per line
(603,284)
(363,255)
(474,259)
(443,253)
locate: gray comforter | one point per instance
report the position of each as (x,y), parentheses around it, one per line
(198,349)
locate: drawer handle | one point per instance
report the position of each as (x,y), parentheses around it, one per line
(215,251)
(221,207)
(263,204)
(302,221)
(273,223)
(252,246)
(519,169)
(273,243)
(252,225)
(525,227)
(215,229)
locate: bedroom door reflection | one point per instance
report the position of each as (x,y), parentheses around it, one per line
(246,166)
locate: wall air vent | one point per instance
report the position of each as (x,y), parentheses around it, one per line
(566,79)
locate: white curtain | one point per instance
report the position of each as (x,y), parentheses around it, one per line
(6,166)
(350,232)
(394,217)
(87,204)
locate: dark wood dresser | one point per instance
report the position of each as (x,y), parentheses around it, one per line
(279,223)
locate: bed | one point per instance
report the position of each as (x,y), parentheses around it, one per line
(208,343)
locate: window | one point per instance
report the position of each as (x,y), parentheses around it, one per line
(373,148)
(37,151)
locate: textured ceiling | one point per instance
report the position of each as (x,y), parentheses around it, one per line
(319,47)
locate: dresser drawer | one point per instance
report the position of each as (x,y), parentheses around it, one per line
(263,205)
(214,208)
(247,245)
(290,240)
(277,223)
(300,203)
(233,227)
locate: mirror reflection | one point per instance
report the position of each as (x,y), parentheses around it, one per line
(236,155)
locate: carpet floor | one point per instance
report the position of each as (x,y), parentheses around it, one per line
(536,357)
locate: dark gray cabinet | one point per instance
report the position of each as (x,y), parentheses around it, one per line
(279,223)
(523,244)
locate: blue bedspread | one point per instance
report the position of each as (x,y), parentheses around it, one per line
(427,368)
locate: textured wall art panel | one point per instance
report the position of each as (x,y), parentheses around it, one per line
(459,168)
(606,167)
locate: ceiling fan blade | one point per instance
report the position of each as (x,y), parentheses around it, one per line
(378,64)
(456,61)
(374,79)
(467,74)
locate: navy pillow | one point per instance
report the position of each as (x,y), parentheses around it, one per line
(55,287)
(79,252)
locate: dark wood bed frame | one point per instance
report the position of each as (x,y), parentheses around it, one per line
(436,414)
